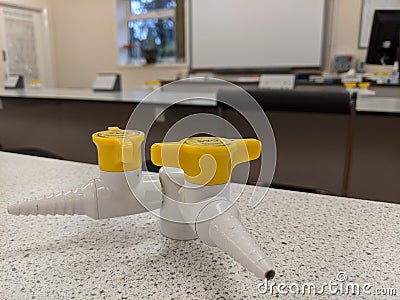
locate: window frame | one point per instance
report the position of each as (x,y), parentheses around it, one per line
(154,14)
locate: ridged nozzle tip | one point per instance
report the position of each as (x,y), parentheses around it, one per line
(13,209)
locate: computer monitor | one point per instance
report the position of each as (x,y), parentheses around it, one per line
(383,46)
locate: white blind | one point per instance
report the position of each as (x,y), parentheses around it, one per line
(21,43)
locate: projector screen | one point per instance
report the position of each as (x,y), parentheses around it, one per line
(256,34)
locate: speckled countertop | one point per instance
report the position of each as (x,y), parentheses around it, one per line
(310,238)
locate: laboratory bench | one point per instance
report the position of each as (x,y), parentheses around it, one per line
(72,94)
(133,96)
(311,146)
(310,238)
(386,100)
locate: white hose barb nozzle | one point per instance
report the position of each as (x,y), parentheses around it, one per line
(222,228)
(79,201)
(229,234)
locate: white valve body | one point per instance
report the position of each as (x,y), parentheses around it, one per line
(206,213)
(115,197)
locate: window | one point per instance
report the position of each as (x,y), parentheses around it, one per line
(155,31)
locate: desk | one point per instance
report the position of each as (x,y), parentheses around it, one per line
(136,96)
(378,104)
(62,121)
(73,94)
(309,237)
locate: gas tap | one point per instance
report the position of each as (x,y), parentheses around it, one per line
(110,195)
(200,176)
(192,191)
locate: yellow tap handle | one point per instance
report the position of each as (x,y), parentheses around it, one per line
(350,85)
(364,85)
(119,150)
(206,160)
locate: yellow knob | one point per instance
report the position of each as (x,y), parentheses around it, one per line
(205,160)
(364,85)
(119,150)
(350,85)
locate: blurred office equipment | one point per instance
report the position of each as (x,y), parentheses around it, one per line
(367,16)
(384,40)
(107,82)
(277,81)
(14,82)
(343,63)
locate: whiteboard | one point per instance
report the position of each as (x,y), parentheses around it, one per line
(256,34)
(367,17)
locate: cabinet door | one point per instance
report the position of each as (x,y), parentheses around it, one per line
(24,44)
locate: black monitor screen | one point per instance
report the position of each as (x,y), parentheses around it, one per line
(384,39)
